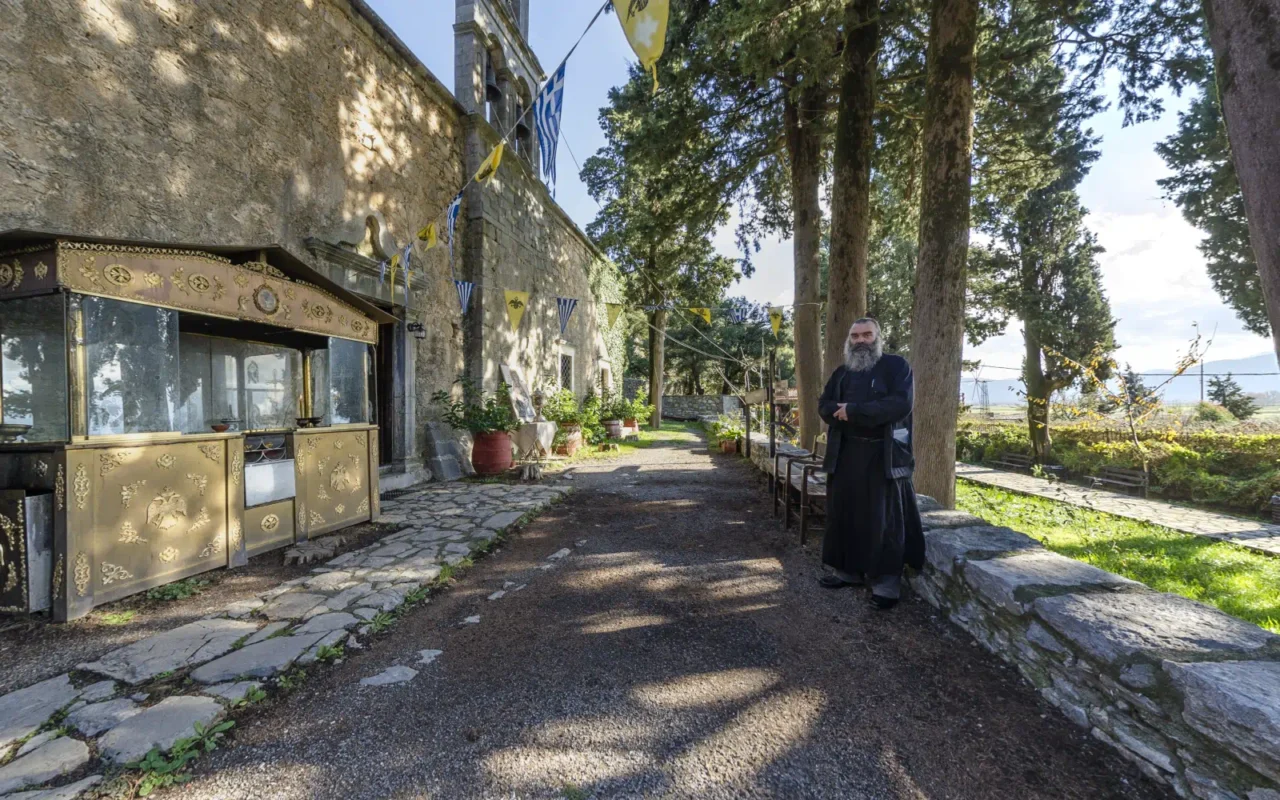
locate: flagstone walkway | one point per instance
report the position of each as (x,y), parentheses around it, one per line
(1255,535)
(208,666)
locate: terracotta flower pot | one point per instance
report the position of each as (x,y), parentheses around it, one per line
(629,422)
(491,453)
(728,446)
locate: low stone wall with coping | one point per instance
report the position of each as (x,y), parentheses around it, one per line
(693,406)
(1189,694)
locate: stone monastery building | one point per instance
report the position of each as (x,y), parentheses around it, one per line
(305,135)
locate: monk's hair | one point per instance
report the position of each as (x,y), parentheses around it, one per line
(867,321)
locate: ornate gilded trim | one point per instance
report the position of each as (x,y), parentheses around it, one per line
(200,521)
(237,466)
(129,534)
(10,553)
(114,572)
(165,461)
(82,574)
(11,276)
(234,536)
(58,568)
(213,452)
(315,518)
(129,490)
(363,508)
(168,554)
(60,491)
(270,522)
(201,482)
(340,509)
(109,461)
(81,487)
(303,527)
(215,547)
(42,467)
(41,270)
(164,511)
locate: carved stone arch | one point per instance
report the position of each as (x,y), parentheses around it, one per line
(378,243)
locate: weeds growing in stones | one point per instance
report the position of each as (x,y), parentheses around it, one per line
(118,617)
(159,769)
(329,653)
(178,590)
(292,680)
(255,695)
(381,621)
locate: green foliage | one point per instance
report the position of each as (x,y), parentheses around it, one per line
(1237,581)
(255,695)
(1238,472)
(475,412)
(1205,186)
(383,620)
(572,792)
(1208,412)
(291,680)
(562,408)
(178,590)
(727,427)
(330,653)
(160,770)
(1224,391)
(118,617)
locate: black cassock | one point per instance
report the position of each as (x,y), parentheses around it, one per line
(873,525)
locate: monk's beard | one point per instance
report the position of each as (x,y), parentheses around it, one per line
(862,357)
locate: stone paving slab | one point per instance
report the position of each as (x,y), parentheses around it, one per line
(59,757)
(160,726)
(1018,580)
(24,711)
(191,644)
(68,792)
(1260,536)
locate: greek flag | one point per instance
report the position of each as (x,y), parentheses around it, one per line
(382,271)
(738,314)
(464,293)
(546,120)
(455,205)
(565,305)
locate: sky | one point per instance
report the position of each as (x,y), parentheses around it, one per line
(1152,271)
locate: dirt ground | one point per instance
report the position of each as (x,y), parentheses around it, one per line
(682,650)
(33,649)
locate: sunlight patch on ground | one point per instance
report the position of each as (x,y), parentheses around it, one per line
(545,768)
(615,621)
(761,734)
(705,689)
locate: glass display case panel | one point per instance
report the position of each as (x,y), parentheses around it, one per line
(258,384)
(132,370)
(33,366)
(348,382)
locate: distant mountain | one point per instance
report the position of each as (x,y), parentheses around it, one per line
(1181,390)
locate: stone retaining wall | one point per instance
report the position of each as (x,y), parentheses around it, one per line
(693,406)
(1187,693)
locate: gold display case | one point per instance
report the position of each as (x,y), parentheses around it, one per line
(137,510)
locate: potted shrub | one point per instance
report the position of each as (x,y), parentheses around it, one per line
(490,420)
(614,410)
(638,409)
(561,408)
(727,431)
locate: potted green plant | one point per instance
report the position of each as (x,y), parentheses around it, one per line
(562,408)
(614,409)
(727,431)
(490,420)
(638,409)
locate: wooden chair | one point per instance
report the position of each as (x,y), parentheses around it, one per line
(779,483)
(796,485)
(1126,479)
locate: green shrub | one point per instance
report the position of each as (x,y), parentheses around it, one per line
(726,427)
(1208,412)
(475,412)
(562,408)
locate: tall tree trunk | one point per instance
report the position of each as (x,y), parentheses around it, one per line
(657,352)
(851,175)
(1245,37)
(937,319)
(1038,391)
(804,144)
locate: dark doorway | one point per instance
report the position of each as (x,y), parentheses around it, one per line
(386,394)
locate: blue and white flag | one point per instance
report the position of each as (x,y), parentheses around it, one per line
(382,271)
(546,120)
(738,314)
(464,293)
(455,205)
(565,305)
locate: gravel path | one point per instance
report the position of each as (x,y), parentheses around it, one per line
(682,650)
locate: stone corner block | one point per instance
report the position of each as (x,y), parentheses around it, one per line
(1237,705)
(944,546)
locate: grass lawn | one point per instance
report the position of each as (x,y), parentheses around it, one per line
(671,431)
(1237,581)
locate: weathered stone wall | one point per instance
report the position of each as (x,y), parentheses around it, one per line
(519,240)
(693,406)
(222,122)
(1188,694)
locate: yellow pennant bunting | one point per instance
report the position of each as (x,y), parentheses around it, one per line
(614,309)
(517,302)
(775,319)
(428,235)
(705,313)
(489,167)
(645,25)
(395,263)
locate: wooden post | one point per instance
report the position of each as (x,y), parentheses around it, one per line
(746,413)
(773,414)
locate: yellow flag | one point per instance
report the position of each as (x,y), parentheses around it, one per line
(775,319)
(428,235)
(395,262)
(645,25)
(705,313)
(517,302)
(614,310)
(489,167)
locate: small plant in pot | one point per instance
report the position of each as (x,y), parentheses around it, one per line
(490,420)
(728,431)
(562,408)
(638,410)
(613,410)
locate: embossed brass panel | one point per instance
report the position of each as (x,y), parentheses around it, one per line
(208,284)
(153,523)
(334,479)
(29,270)
(268,527)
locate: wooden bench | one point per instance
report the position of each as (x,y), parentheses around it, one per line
(1122,477)
(779,482)
(1014,461)
(806,489)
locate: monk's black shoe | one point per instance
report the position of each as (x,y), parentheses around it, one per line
(834,582)
(883,603)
